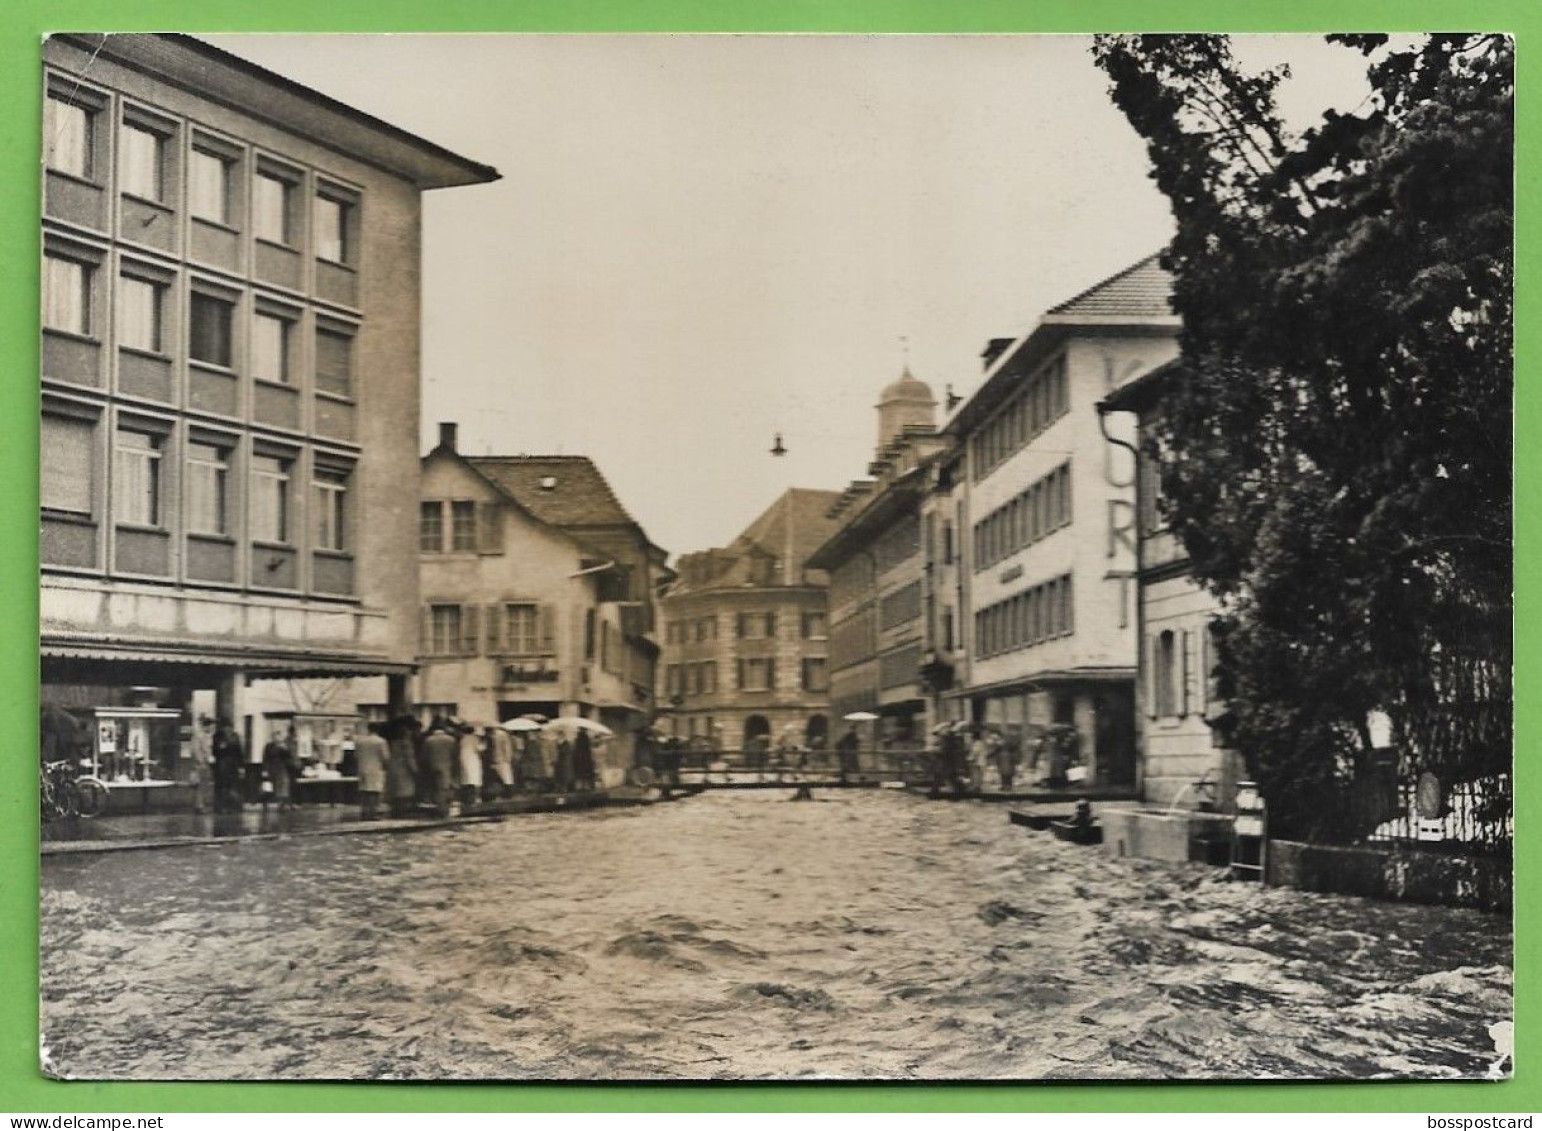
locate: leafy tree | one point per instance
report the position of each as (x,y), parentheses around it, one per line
(1336,445)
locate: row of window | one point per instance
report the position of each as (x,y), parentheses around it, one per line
(747,626)
(1030,515)
(1027,618)
(900,607)
(691,679)
(219,180)
(898,544)
(1043,399)
(900,667)
(140,483)
(458,526)
(502,628)
(213,336)
(750,674)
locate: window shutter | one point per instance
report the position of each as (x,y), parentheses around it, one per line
(1152,676)
(771,675)
(494,629)
(489,528)
(739,674)
(426,632)
(1183,674)
(548,619)
(739,625)
(468,630)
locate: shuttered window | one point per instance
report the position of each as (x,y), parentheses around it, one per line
(334,361)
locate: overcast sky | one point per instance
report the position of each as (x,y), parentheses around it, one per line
(700,241)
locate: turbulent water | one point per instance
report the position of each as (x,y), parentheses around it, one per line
(868,934)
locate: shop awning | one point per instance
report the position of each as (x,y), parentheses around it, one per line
(253,661)
(1067,677)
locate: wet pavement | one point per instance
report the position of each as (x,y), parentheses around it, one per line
(868,934)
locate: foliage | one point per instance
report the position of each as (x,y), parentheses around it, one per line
(1336,445)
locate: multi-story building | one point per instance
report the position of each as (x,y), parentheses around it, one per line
(230,383)
(882,600)
(1175,697)
(745,642)
(1050,549)
(537,594)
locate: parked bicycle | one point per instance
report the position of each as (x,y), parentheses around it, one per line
(66,792)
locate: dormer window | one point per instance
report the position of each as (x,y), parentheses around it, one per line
(548,483)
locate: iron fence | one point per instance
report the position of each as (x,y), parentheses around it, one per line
(1466,817)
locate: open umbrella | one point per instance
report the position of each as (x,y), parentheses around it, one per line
(574,722)
(521,725)
(860,717)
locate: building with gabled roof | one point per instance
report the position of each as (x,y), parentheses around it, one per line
(744,654)
(537,594)
(1048,560)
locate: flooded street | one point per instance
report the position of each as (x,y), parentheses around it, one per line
(868,934)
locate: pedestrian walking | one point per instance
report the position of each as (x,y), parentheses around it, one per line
(470,749)
(371,757)
(438,766)
(402,767)
(278,764)
(501,758)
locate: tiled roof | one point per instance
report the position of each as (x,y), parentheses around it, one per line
(563,491)
(795,526)
(806,512)
(1143,290)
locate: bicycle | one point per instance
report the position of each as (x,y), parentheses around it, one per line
(67,793)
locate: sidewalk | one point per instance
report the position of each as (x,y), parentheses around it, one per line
(176,830)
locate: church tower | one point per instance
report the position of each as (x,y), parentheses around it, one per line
(904,403)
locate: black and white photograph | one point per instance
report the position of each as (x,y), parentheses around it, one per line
(665,557)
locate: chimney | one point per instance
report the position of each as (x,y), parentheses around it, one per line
(447,434)
(994,349)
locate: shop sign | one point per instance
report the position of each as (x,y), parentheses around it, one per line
(529,673)
(107,736)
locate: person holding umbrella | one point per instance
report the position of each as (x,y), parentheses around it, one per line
(846,749)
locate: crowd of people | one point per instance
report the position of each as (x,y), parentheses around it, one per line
(971,757)
(400,766)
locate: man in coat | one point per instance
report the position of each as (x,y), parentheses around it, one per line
(229,762)
(500,761)
(371,756)
(439,752)
(402,769)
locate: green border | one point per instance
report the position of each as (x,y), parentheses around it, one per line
(23,22)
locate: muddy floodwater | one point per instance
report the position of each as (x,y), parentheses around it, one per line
(868,934)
